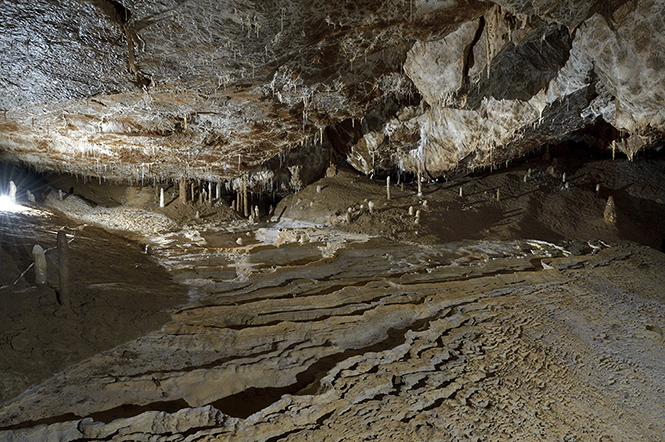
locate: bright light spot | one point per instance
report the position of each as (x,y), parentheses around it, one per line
(7,205)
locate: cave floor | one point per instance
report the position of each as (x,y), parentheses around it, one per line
(298,331)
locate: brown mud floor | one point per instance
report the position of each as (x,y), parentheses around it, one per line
(118,294)
(498,205)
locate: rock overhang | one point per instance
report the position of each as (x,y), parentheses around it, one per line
(151,91)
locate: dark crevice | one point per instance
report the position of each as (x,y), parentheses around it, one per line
(518,72)
(106,416)
(468,53)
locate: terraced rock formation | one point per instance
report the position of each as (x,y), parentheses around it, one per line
(354,338)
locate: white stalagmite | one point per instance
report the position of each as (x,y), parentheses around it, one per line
(40,264)
(30,196)
(388,187)
(209,192)
(370,205)
(610,213)
(218,193)
(410,210)
(161,197)
(60,196)
(12,191)
(183,190)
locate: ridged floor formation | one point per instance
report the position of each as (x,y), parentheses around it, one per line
(303,335)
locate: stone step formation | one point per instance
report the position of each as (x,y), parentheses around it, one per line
(356,337)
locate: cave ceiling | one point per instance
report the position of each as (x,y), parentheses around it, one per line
(214,89)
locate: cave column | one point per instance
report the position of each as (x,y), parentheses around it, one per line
(245,201)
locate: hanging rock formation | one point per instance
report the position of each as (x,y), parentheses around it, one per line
(214,90)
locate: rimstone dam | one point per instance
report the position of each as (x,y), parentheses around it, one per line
(286,220)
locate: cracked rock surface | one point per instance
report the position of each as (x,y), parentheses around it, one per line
(358,338)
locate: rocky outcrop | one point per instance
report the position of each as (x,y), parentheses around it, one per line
(512,80)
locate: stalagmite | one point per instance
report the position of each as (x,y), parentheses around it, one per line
(563,177)
(417,220)
(60,195)
(318,189)
(597,188)
(40,264)
(461,193)
(370,206)
(410,210)
(256,213)
(209,192)
(161,197)
(388,187)
(183,190)
(498,195)
(12,191)
(420,183)
(218,193)
(610,213)
(197,216)
(30,196)
(245,200)
(63,269)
